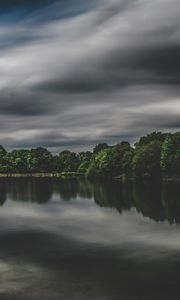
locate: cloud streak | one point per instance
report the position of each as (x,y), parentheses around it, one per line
(88,72)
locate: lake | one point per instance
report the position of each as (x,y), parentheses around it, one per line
(79,240)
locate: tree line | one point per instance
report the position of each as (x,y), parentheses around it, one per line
(154,156)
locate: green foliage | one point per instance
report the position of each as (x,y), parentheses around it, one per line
(68,161)
(170,156)
(100,147)
(112,161)
(3,160)
(167,154)
(18,161)
(154,136)
(40,159)
(146,161)
(155,154)
(84,161)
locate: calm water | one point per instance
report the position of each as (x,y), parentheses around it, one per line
(76,240)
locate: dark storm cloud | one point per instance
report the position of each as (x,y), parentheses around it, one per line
(16,104)
(152,66)
(159,120)
(75,84)
(77,72)
(22,108)
(163,61)
(157,63)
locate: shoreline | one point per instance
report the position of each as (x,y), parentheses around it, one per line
(67,175)
(41,175)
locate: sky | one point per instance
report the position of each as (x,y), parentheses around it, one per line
(74,73)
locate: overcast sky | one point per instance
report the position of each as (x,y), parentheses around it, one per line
(78,72)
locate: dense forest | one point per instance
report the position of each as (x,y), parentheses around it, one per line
(154,156)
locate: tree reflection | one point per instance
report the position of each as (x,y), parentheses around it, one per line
(160,202)
(113,194)
(2,192)
(147,200)
(73,188)
(29,190)
(171,202)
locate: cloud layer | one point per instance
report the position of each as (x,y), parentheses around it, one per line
(74,73)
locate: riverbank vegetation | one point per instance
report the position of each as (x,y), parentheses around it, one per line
(154,156)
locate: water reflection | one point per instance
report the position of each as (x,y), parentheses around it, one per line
(83,240)
(159,202)
(2,193)
(39,191)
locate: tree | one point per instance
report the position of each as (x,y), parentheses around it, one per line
(170,155)
(17,161)
(154,136)
(84,161)
(112,161)
(146,161)
(100,147)
(40,160)
(69,161)
(3,161)
(167,154)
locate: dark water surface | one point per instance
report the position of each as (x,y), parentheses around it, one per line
(76,240)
